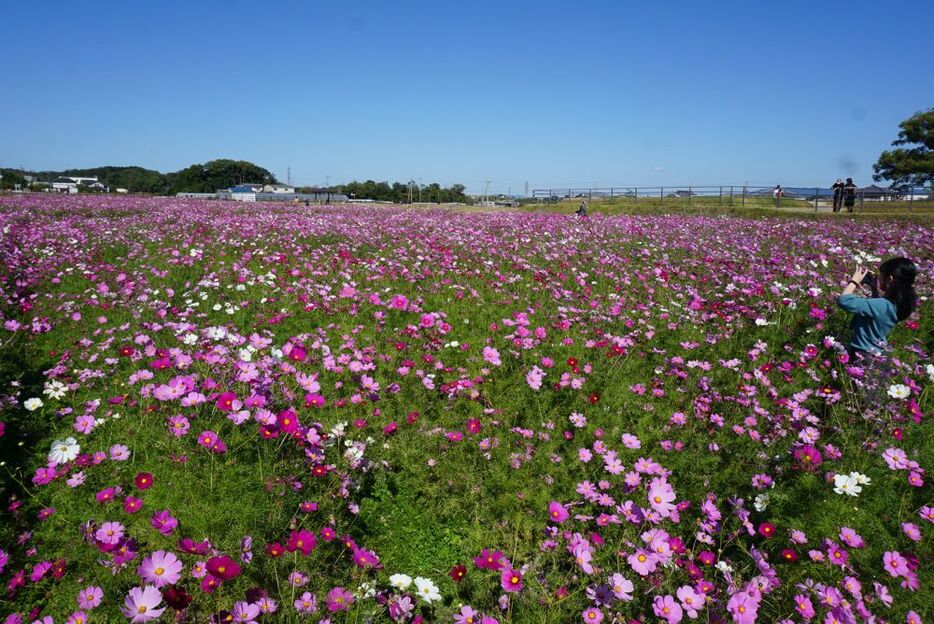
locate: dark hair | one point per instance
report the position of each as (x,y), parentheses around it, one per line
(901,290)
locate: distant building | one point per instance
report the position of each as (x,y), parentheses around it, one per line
(247,187)
(70,184)
(876,193)
(278,188)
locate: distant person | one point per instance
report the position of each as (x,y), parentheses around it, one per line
(837,189)
(582,209)
(778,193)
(875,316)
(849,194)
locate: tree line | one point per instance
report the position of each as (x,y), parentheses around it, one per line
(401,192)
(198,178)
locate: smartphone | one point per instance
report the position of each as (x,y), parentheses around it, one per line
(869,279)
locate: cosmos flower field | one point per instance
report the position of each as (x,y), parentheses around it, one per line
(216,412)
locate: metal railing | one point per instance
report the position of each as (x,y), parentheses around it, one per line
(735,196)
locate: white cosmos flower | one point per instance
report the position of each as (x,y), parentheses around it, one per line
(930,371)
(64,451)
(860,478)
(54,389)
(846,484)
(427,590)
(761,502)
(33,404)
(400,581)
(899,391)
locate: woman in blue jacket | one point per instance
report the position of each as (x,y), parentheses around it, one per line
(875,316)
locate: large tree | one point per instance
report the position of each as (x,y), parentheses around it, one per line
(913,163)
(218,174)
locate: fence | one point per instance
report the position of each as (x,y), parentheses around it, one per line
(735,196)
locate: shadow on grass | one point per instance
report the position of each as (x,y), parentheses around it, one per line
(23,428)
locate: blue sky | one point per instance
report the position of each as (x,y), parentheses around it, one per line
(549,93)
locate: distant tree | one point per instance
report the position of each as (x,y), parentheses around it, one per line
(912,165)
(12,177)
(218,174)
(398,192)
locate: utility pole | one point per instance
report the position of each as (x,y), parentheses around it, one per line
(288,175)
(486,192)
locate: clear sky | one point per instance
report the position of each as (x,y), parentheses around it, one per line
(549,93)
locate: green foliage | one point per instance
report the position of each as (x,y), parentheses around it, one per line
(11,178)
(400,192)
(217,174)
(199,178)
(912,165)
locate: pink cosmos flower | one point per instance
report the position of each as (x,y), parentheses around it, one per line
(643,562)
(621,587)
(339,599)
(851,538)
(306,603)
(912,531)
(90,597)
(467,615)
(668,609)
(895,564)
(490,560)
(583,557)
(661,497)
(223,568)
(365,558)
(245,612)
(303,541)
(163,522)
(804,607)
(161,568)
(109,533)
(78,617)
(743,607)
(178,425)
(511,580)
(142,604)
(592,615)
(119,452)
(557,513)
(690,600)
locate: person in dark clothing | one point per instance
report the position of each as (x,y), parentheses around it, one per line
(849,194)
(582,209)
(837,194)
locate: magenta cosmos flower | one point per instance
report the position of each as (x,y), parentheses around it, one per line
(511,580)
(142,604)
(339,599)
(161,568)
(557,513)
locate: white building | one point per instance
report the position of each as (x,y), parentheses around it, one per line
(70,184)
(278,188)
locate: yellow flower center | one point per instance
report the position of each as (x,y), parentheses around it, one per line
(159,571)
